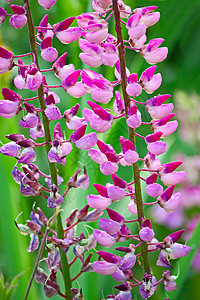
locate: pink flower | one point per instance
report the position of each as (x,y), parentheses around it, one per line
(6,60)
(96,32)
(19,19)
(104,268)
(153,189)
(104,239)
(47,4)
(168,201)
(149,81)
(152,54)
(146,233)
(65,33)
(10,106)
(34,78)
(133,88)
(48,53)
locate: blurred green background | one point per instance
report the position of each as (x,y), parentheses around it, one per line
(180,27)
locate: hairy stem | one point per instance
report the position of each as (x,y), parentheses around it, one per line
(136,173)
(52,167)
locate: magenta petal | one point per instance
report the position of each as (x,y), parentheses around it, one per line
(127,261)
(156,56)
(154,190)
(134,121)
(168,128)
(104,268)
(70,80)
(173,178)
(90,60)
(34,81)
(97,36)
(157,148)
(134,89)
(116,193)
(109,226)
(104,238)
(70,35)
(173,203)
(131,157)
(162,111)
(101,96)
(101,189)
(52,112)
(119,275)
(97,156)
(27,156)
(50,54)
(146,234)
(47,4)
(87,141)
(18,21)
(100,125)
(108,168)
(109,59)
(10,149)
(179,250)
(137,31)
(77,90)
(115,216)
(98,202)
(8,109)
(29,121)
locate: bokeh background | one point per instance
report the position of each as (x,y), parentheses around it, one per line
(180,27)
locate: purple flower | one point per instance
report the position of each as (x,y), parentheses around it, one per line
(169,281)
(153,189)
(104,238)
(55,198)
(168,201)
(65,34)
(10,149)
(48,53)
(27,156)
(34,243)
(104,268)
(19,19)
(146,233)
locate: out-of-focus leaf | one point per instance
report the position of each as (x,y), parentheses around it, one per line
(185,265)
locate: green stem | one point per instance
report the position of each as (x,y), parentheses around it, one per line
(136,173)
(52,166)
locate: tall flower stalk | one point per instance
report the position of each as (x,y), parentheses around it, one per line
(138,194)
(98,47)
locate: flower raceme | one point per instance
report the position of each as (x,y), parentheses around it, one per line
(84,131)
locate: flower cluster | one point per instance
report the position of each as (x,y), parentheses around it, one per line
(97,47)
